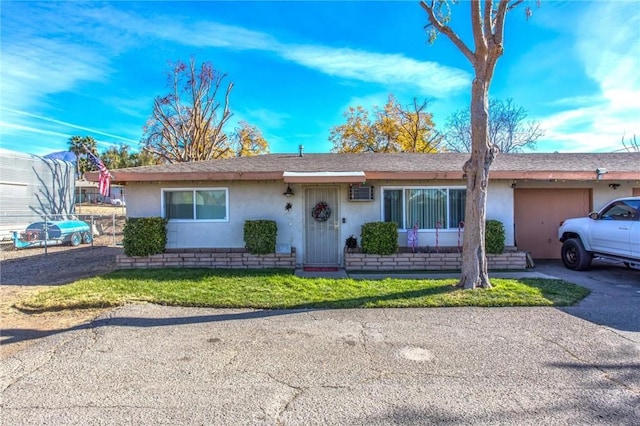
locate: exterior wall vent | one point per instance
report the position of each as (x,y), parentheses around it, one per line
(360,193)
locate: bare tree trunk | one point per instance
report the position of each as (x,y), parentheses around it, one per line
(488,35)
(474,260)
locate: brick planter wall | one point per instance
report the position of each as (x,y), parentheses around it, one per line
(209,258)
(356,261)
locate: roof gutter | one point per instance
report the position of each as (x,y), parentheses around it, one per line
(126,176)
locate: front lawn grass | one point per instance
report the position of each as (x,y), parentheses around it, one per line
(278,289)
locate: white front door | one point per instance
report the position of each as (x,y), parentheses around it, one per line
(322,226)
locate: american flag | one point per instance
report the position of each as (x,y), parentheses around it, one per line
(105,176)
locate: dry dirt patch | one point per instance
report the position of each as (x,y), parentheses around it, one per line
(25,272)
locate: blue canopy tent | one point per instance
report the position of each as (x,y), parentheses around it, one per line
(62,155)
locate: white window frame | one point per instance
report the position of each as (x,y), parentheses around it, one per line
(226,194)
(404,204)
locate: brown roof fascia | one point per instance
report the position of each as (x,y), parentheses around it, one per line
(370,175)
(413,175)
(556,175)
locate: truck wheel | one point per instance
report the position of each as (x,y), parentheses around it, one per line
(76,238)
(574,256)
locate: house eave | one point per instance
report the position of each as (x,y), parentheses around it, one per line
(357,177)
(186,176)
(561,175)
(324,177)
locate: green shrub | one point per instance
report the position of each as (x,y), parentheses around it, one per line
(144,236)
(260,236)
(380,238)
(494,237)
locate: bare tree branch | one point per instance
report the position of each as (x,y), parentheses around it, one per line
(189,123)
(447,31)
(508,129)
(633,144)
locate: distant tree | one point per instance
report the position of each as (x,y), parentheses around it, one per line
(417,130)
(188,123)
(117,157)
(122,156)
(508,130)
(248,140)
(394,128)
(487,29)
(79,145)
(358,134)
(145,158)
(632,145)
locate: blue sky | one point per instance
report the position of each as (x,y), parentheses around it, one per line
(71,68)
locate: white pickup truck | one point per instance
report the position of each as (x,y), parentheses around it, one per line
(612,233)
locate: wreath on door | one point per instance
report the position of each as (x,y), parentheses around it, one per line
(321,212)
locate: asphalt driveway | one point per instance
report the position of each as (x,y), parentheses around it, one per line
(615,293)
(147,364)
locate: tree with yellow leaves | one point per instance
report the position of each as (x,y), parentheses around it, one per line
(248,140)
(394,128)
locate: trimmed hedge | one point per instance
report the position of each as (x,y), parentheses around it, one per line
(379,238)
(494,237)
(260,236)
(144,236)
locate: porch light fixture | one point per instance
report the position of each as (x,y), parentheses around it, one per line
(614,186)
(289,192)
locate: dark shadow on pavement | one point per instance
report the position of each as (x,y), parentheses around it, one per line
(615,293)
(17,334)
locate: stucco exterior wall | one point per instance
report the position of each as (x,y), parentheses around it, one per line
(500,207)
(247,201)
(264,200)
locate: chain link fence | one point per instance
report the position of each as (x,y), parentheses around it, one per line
(29,231)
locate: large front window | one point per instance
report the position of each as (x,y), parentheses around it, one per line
(429,207)
(196,204)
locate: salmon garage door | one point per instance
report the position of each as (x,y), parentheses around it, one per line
(537,216)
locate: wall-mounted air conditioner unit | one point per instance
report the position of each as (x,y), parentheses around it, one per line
(360,193)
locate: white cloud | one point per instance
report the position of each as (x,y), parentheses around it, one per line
(70,125)
(14,126)
(213,34)
(583,100)
(267,118)
(135,107)
(431,78)
(40,67)
(367,102)
(597,128)
(390,70)
(47,56)
(610,55)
